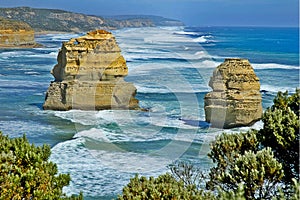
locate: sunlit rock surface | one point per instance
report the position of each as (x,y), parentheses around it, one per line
(235,100)
(90,75)
(16,34)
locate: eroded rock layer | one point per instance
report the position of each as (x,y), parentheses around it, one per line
(235,100)
(16,34)
(90,75)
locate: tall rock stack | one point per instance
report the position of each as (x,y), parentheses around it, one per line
(235,100)
(90,75)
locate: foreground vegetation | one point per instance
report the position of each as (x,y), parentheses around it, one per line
(27,173)
(260,164)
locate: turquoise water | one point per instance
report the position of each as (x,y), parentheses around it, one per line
(170,67)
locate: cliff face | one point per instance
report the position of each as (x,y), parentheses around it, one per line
(16,34)
(90,75)
(235,99)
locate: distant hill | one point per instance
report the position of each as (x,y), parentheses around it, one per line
(154,20)
(64,21)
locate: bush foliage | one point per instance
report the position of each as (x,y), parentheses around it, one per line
(162,187)
(281,132)
(26,173)
(224,151)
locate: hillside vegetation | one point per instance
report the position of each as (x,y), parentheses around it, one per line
(64,21)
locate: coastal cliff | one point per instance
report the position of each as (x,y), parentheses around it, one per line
(90,75)
(16,34)
(235,100)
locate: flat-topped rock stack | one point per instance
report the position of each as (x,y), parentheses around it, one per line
(235,100)
(90,75)
(16,34)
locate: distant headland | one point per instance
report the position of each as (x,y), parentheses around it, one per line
(53,20)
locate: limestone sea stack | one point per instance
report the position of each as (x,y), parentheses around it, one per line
(90,75)
(235,100)
(16,34)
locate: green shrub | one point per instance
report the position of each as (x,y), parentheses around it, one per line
(188,173)
(162,187)
(238,161)
(281,132)
(260,173)
(283,101)
(26,173)
(225,150)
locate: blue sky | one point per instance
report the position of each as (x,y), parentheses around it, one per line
(191,12)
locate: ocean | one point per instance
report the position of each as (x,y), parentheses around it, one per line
(170,67)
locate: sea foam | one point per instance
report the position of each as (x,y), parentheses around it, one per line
(204,39)
(273,66)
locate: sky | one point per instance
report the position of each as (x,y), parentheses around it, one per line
(190,12)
